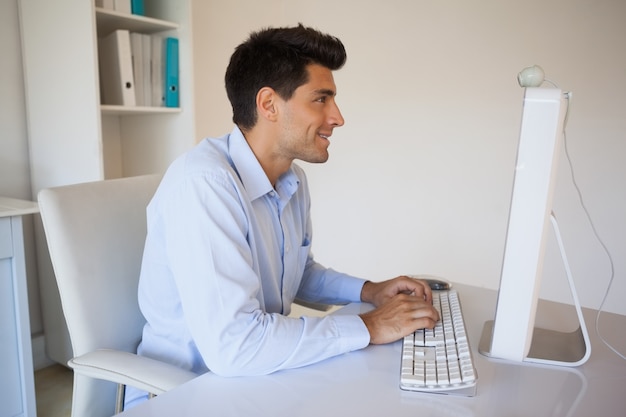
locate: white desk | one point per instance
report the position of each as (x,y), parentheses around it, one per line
(365,383)
(17,387)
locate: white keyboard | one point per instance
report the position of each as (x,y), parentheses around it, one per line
(439,360)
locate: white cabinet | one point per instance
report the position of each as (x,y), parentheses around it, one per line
(72,137)
(17,387)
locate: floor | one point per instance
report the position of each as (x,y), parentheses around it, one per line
(53,391)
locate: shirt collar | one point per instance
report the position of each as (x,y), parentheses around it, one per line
(250,171)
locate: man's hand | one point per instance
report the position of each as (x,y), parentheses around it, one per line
(378,293)
(403,305)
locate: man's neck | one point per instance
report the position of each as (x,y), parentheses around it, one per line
(262,145)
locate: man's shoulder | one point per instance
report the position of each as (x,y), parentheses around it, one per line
(210,149)
(210,155)
(208,160)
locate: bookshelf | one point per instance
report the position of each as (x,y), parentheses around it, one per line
(72,137)
(109,20)
(116,110)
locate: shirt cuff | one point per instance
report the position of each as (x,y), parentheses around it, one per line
(352,332)
(352,287)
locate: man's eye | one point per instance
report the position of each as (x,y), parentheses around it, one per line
(321,100)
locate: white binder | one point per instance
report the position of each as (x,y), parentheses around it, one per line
(116,69)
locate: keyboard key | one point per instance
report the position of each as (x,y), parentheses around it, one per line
(411,380)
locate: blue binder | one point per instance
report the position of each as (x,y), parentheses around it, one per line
(171,73)
(137,7)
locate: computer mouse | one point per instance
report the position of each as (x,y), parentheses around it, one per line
(437,284)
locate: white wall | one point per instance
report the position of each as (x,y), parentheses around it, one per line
(420,177)
(14,160)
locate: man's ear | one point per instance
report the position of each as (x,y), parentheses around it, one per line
(266,103)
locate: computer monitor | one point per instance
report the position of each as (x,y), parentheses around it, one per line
(512,335)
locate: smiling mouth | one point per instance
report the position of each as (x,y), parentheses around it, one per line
(327,137)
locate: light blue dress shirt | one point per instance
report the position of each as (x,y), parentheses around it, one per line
(225,256)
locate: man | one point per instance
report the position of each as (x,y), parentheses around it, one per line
(229,230)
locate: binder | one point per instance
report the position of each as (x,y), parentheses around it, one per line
(171,73)
(146,65)
(116,69)
(105,4)
(156,71)
(122,6)
(137,7)
(141,46)
(136,48)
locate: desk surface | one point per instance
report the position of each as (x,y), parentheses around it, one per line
(14,207)
(365,382)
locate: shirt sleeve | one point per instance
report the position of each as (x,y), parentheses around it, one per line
(209,256)
(327,286)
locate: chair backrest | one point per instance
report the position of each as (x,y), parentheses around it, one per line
(96,233)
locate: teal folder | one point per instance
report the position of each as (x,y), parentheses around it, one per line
(171,73)
(137,7)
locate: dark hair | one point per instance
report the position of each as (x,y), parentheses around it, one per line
(276,58)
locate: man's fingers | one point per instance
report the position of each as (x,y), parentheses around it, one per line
(402,315)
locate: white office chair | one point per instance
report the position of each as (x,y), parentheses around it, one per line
(95,233)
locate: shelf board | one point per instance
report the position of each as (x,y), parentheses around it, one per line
(109,20)
(115,110)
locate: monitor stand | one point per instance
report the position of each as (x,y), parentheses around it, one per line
(552,347)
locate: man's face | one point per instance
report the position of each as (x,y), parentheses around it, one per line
(309,117)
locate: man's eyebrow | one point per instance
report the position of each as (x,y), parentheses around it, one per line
(325,92)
